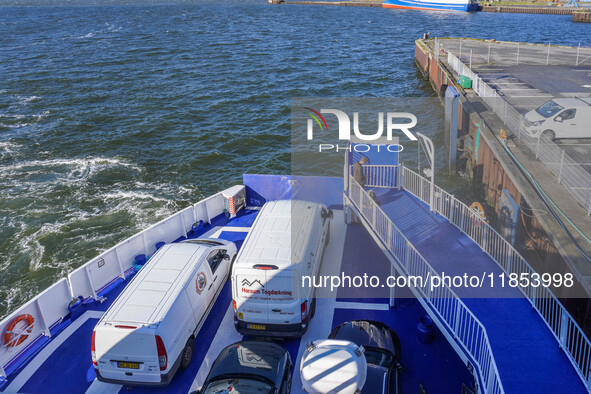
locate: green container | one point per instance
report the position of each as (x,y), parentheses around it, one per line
(465,82)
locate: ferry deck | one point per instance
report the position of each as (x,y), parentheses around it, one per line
(508,343)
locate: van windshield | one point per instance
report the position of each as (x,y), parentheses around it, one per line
(549,109)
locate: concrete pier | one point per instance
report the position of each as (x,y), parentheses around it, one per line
(529,9)
(525,81)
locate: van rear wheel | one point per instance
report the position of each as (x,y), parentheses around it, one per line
(187,354)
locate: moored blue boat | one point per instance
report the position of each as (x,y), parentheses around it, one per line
(433,5)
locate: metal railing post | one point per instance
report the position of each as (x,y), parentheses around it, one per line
(563,328)
(389,243)
(489,385)
(561,164)
(437,49)
(457,322)
(42,321)
(392,288)
(93,292)
(121,270)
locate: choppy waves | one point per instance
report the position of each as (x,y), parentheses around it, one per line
(113,117)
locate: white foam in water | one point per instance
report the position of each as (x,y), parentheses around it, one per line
(27,99)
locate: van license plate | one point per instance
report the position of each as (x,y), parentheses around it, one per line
(122,364)
(257,326)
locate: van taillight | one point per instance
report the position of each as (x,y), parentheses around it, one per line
(126,327)
(234,305)
(93,350)
(162,356)
(304,308)
(265,267)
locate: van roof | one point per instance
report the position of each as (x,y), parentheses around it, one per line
(280,233)
(573,102)
(157,285)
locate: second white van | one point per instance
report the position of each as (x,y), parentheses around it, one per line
(286,242)
(560,118)
(148,332)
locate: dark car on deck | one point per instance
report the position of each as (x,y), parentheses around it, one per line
(382,352)
(250,367)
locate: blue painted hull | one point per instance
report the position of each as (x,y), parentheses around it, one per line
(431,5)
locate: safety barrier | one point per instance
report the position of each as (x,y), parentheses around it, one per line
(449,308)
(380,175)
(568,333)
(567,171)
(50,307)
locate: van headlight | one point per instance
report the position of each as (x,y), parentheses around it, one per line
(537,122)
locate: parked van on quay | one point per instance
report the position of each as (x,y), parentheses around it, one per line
(560,118)
(148,332)
(286,242)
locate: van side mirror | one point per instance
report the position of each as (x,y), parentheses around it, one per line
(226,256)
(326,213)
(558,119)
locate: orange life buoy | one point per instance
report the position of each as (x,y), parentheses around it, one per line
(23,334)
(476,206)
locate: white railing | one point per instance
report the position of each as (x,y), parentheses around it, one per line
(567,171)
(564,328)
(50,307)
(448,307)
(380,175)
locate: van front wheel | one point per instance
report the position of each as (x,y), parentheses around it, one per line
(550,134)
(187,354)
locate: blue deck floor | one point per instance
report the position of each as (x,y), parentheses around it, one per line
(69,369)
(527,354)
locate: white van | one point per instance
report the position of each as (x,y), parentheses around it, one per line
(286,242)
(148,332)
(560,118)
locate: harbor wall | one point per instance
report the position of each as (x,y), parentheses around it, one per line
(580,16)
(528,9)
(490,175)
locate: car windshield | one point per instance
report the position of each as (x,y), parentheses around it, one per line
(549,109)
(238,386)
(378,357)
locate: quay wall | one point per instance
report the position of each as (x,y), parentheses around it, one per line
(494,171)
